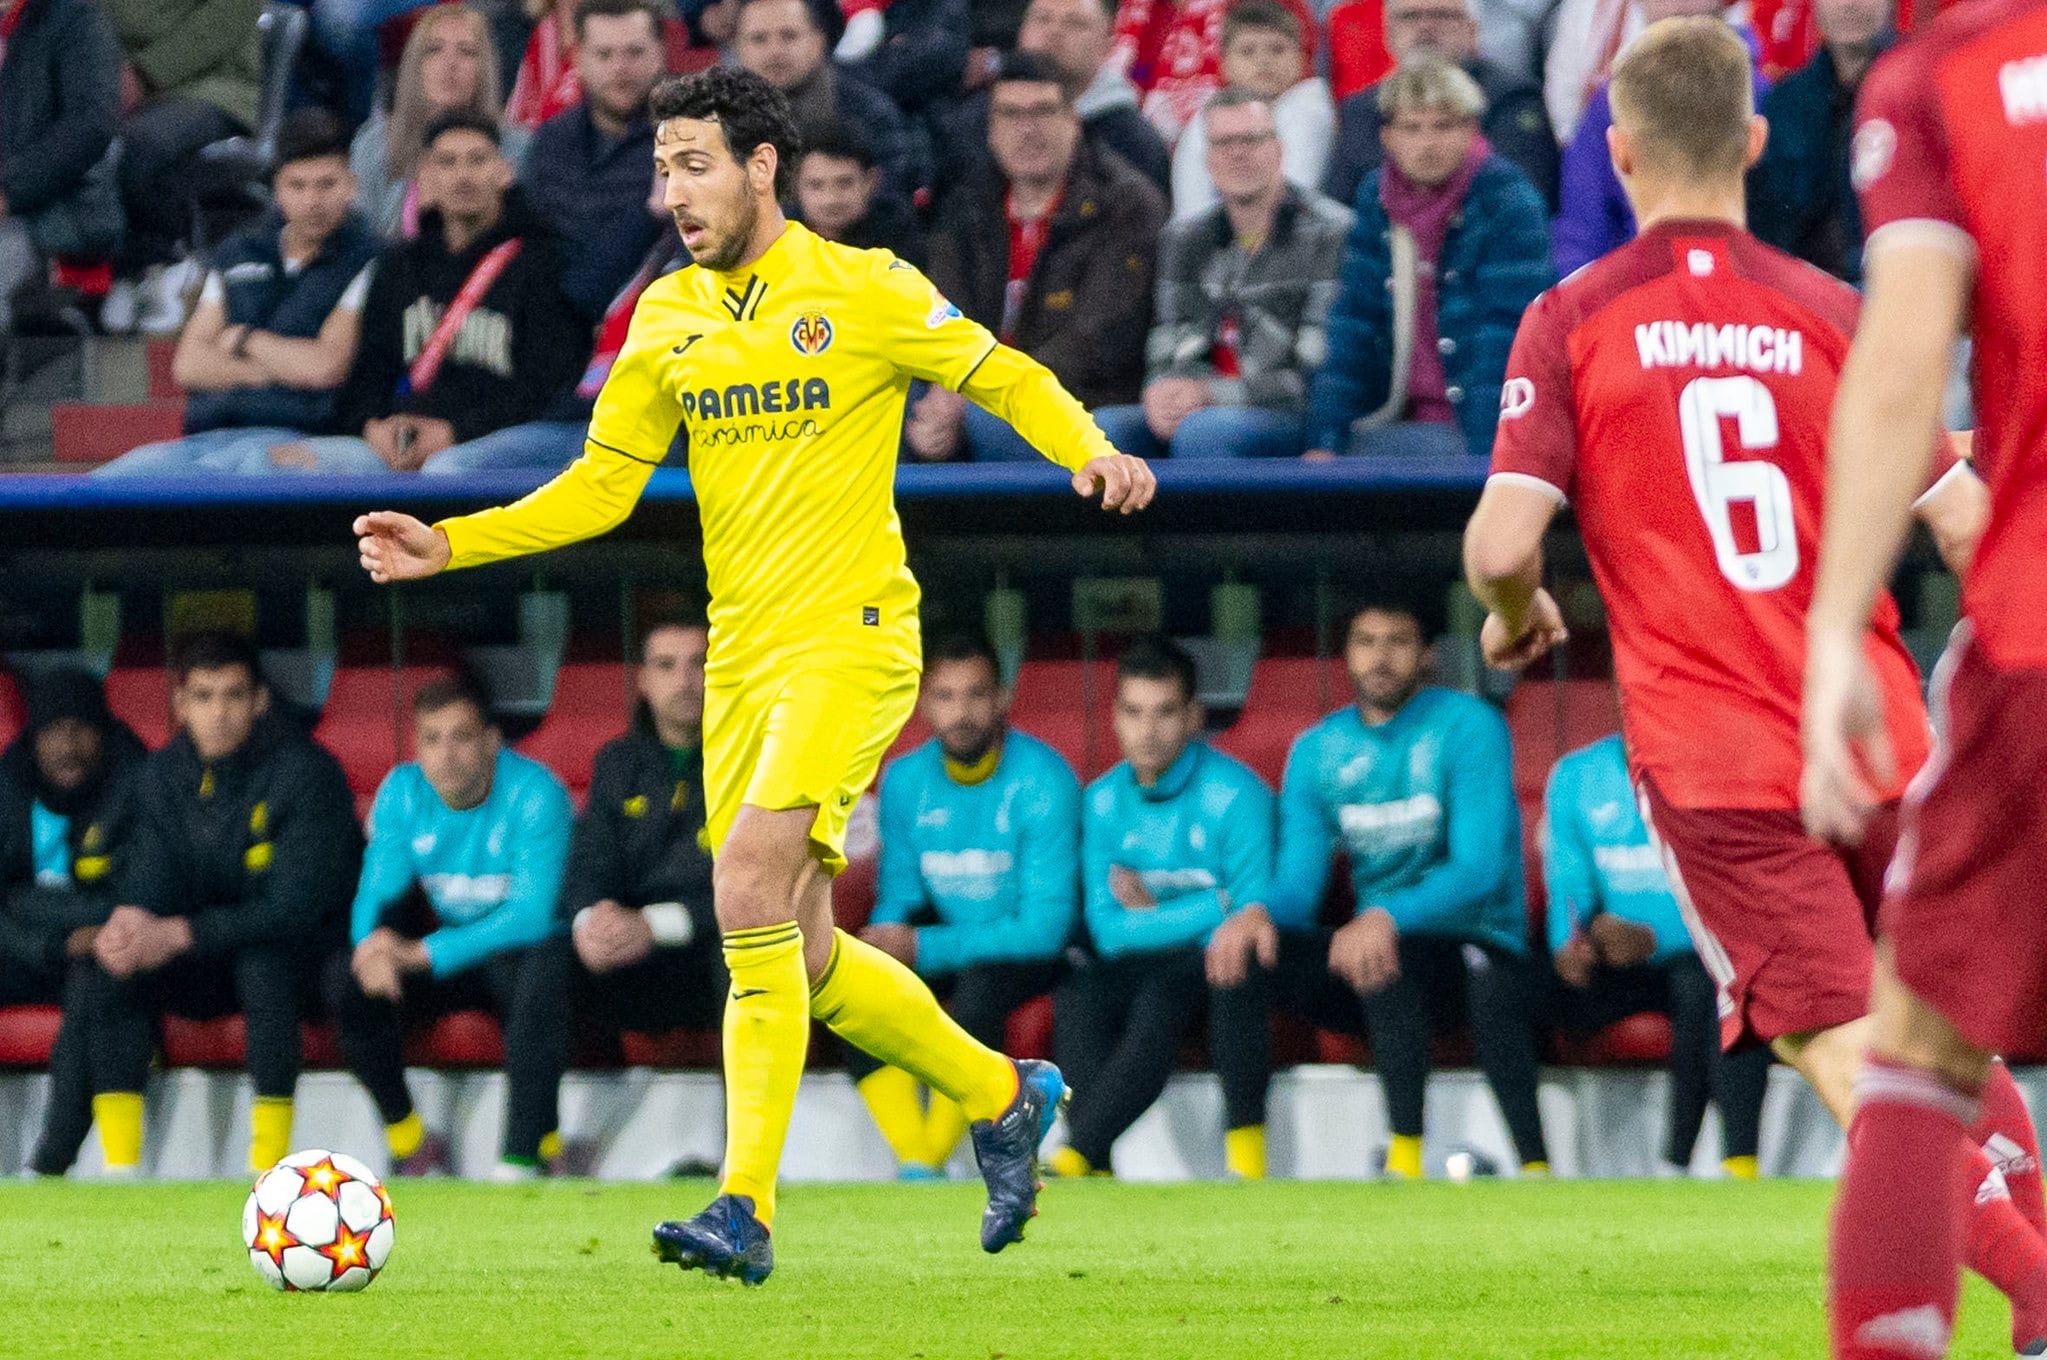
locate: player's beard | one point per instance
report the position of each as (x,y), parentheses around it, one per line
(730,249)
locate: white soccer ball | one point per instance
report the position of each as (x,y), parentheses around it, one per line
(318,1222)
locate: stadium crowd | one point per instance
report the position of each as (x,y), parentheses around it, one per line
(227,873)
(1235,228)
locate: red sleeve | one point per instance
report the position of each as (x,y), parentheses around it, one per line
(1538,435)
(1901,146)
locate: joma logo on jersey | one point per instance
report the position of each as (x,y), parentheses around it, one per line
(2023,86)
(771,398)
(811,334)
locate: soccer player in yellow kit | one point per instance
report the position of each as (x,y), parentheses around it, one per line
(788,359)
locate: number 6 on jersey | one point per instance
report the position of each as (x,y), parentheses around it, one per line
(1718,485)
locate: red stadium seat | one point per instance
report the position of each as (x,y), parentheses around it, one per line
(27,1034)
(1549,719)
(1638,1041)
(87,432)
(365,722)
(673,1048)
(13,710)
(853,893)
(223,1043)
(459,1039)
(592,704)
(1067,705)
(1029,1032)
(163,382)
(1288,695)
(140,696)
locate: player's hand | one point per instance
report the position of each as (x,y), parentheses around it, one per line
(1126,483)
(159,939)
(114,946)
(608,937)
(1621,943)
(397,547)
(1541,630)
(1126,885)
(1247,935)
(1845,741)
(894,939)
(1366,952)
(1575,961)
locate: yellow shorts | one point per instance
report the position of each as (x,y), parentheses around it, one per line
(812,734)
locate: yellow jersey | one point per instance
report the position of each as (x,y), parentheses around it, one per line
(789,377)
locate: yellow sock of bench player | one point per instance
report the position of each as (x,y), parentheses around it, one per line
(943,1125)
(269,1132)
(119,1116)
(891,1096)
(1244,1152)
(405,1136)
(876,1004)
(1404,1156)
(767,1032)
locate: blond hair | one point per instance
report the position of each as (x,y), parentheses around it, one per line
(1429,82)
(1684,92)
(405,138)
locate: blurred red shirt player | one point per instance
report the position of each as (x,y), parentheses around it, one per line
(1951,163)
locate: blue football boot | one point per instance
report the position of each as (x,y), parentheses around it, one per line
(725,1241)
(1007,1151)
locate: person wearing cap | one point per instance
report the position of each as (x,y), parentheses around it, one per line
(65,798)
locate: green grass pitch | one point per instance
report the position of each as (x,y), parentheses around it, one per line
(1208,1272)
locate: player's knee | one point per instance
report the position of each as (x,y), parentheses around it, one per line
(754,887)
(1912,1033)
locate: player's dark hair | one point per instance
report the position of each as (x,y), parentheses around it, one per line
(615,9)
(1156,657)
(961,646)
(1252,16)
(309,134)
(1393,597)
(460,120)
(214,650)
(452,687)
(844,142)
(1032,68)
(750,112)
(1685,92)
(661,620)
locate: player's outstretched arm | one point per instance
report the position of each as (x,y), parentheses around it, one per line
(1023,392)
(397,547)
(1886,425)
(1503,565)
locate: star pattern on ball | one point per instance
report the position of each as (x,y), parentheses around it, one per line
(384,1197)
(347,1251)
(272,1237)
(324,1178)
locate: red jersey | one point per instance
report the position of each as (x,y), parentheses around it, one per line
(1677,392)
(1952,148)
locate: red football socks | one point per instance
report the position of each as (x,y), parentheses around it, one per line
(1898,1239)
(2005,1242)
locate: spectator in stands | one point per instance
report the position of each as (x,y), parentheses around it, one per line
(838,196)
(1175,842)
(278,317)
(1244,292)
(1079,38)
(448,64)
(1416,785)
(482,835)
(980,879)
(1800,197)
(66,800)
(191,73)
(60,103)
(465,331)
(550,80)
(1262,56)
(638,894)
(1173,50)
(235,883)
(1051,247)
(1449,247)
(1620,947)
(346,31)
(1593,216)
(1515,123)
(586,169)
(920,61)
(783,42)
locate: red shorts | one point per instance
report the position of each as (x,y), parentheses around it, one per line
(1782,922)
(1967,914)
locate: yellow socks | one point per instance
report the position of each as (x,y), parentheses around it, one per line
(269,1132)
(119,1116)
(405,1136)
(1740,1168)
(767,1032)
(1404,1157)
(891,1096)
(1067,1163)
(1244,1152)
(1538,1170)
(550,1145)
(875,1003)
(943,1125)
